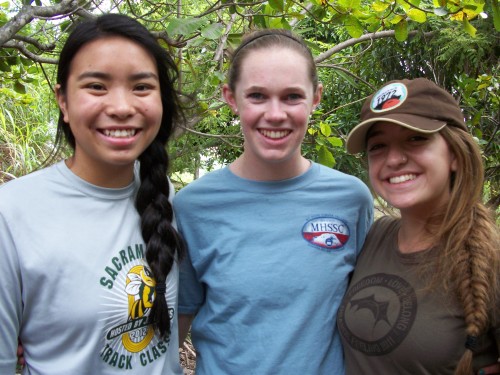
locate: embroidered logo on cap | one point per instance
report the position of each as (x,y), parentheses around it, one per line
(389,97)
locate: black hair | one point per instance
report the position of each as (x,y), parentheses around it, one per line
(163,242)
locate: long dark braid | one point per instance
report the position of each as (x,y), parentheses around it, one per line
(161,238)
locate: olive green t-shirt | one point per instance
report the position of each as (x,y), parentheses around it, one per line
(390,324)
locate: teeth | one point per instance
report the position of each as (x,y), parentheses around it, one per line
(403,178)
(119,133)
(274,134)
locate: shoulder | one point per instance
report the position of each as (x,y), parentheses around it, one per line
(209,181)
(341,177)
(344,184)
(28,183)
(385,224)
(27,192)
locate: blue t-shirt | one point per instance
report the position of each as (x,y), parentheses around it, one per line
(267,269)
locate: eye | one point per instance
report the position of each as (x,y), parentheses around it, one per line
(418,138)
(294,97)
(143,87)
(374,146)
(256,96)
(95,86)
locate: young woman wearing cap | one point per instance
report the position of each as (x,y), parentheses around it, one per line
(424,296)
(272,237)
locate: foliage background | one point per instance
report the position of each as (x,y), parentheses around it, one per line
(357,45)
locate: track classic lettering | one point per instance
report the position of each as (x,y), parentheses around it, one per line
(128,285)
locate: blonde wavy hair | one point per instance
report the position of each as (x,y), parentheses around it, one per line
(469,243)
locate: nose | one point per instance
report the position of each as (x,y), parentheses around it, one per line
(275,111)
(396,156)
(120,103)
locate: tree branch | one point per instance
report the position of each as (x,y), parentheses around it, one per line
(28,13)
(353,41)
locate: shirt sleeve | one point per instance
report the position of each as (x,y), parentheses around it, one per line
(10,299)
(191,290)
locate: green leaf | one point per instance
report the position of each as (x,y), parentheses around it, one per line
(260,21)
(19,88)
(212,31)
(277,5)
(471,30)
(349,4)
(184,26)
(401,30)
(353,26)
(496,14)
(325,157)
(336,141)
(4,67)
(417,15)
(397,19)
(325,129)
(380,6)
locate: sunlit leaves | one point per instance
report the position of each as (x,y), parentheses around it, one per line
(353,26)
(468,27)
(325,157)
(417,15)
(380,6)
(401,31)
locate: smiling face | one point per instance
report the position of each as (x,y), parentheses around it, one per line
(274,97)
(408,169)
(113,106)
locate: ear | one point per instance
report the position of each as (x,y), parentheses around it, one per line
(61,100)
(229,98)
(454,164)
(317,96)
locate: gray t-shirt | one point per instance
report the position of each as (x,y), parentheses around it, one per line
(75,286)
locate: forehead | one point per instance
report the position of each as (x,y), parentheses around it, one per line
(281,64)
(112,52)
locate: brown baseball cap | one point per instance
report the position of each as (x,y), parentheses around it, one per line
(417,104)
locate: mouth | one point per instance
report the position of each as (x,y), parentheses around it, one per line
(401,179)
(119,133)
(275,134)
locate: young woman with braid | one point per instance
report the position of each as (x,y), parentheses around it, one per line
(89,248)
(424,298)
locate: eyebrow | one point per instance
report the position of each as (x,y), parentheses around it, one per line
(372,133)
(107,76)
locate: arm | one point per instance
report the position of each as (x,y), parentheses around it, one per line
(184,325)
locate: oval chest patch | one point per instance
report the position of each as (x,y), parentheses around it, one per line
(326,232)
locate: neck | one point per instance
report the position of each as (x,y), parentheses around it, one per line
(268,171)
(413,235)
(112,178)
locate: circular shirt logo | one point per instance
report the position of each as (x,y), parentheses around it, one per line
(377,313)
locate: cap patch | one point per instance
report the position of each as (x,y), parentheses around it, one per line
(389,97)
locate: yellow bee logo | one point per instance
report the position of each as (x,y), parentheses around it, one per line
(140,287)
